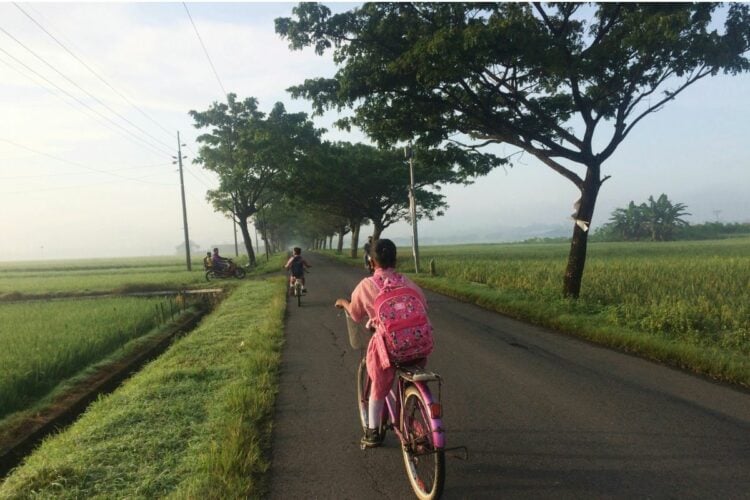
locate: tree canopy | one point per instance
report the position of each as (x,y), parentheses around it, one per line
(565,82)
(252,153)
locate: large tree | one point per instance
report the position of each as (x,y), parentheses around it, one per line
(252,153)
(565,82)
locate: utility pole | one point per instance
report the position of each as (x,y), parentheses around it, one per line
(234,225)
(413,208)
(184,209)
(255,226)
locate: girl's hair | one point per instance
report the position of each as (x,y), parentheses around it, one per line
(384,252)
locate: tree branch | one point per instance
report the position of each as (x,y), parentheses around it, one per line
(702,73)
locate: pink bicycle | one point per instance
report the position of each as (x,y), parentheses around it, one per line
(413,414)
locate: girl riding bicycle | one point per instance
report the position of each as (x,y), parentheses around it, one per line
(296,266)
(380,368)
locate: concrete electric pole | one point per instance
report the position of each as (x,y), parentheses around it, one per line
(184,209)
(413,208)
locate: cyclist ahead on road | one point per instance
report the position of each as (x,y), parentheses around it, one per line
(366,301)
(297,265)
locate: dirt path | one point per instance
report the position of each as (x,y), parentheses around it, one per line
(543,415)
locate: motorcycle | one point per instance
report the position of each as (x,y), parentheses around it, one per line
(230,271)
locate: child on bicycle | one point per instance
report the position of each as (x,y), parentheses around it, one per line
(380,369)
(297,265)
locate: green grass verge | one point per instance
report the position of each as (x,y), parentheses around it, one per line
(194,423)
(523,282)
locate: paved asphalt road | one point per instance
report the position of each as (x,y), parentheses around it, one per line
(543,415)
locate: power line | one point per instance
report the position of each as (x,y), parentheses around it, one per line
(79,186)
(55,93)
(145,133)
(68,174)
(92,71)
(205,51)
(48,81)
(199,170)
(197,178)
(21,146)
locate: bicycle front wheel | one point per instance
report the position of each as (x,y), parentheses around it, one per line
(425,464)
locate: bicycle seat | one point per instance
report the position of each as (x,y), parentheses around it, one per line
(417,374)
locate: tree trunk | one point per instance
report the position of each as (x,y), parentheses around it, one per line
(579,242)
(248,241)
(340,246)
(377,230)
(355,239)
(266,243)
(330,242)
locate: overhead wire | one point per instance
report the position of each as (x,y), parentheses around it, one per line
(92,96)
(211,64)
(78,164)
(77,186)
(205,51)
(85,105)
(68,174)
(96,74)
(199,170)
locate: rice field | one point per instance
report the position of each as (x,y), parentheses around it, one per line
(193,423)
(697,292)
(46,341)
(43,343)
(89,276)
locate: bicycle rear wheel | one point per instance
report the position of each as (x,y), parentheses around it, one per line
(425,464)
(363,399)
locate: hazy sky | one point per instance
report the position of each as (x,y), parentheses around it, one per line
(78,180)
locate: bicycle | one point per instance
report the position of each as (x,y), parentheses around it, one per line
(414,416)
(296,290)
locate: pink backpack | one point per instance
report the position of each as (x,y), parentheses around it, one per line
(402,320)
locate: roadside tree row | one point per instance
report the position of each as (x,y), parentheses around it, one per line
(563,82)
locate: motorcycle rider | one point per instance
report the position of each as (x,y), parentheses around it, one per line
(207,261)
(218,262)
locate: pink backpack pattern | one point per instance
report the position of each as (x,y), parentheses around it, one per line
(401,319)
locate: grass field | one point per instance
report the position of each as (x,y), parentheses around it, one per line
(195,423)
(686,303)
(20,279)
(42,343)
(697,291)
